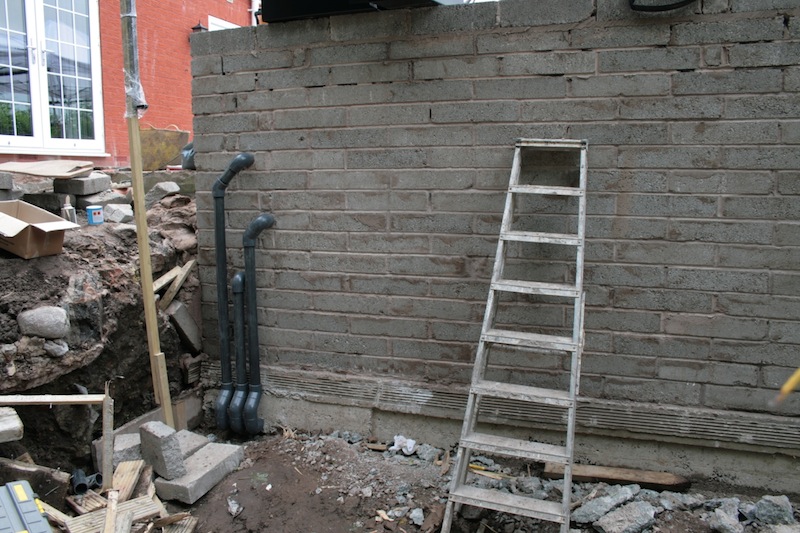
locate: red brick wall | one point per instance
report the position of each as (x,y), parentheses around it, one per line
(163,28)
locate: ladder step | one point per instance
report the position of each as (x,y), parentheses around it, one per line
(529,340)
(535,451)
(534,236)
(536,287)
(546,189)
(553,143)
(509,503)
(496,389)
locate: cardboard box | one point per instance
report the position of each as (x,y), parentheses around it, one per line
(28,231)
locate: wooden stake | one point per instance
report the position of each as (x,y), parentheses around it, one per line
(135,103)
(110,524)
(107,468)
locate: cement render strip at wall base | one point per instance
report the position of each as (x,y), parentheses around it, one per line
(736,448)
(770,472)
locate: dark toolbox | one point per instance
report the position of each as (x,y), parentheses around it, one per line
(20,511)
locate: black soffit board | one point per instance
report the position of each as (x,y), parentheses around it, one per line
(279,11)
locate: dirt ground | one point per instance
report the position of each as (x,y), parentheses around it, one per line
(293,482)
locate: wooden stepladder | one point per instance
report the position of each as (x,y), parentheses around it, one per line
(532,325)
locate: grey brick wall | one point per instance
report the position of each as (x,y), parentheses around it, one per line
(383,143)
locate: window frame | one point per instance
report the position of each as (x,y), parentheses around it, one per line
(40,143)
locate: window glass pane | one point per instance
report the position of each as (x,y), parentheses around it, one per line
(5,85)
(6,119)
(16,15)
(3,17)
(87,125)
(49,2)
(68,60)
(71,126)
(85,98)
(53,61)
(50,23)
(82,6)
(5,52)
(19,51)
(65,4)
(84,60)
(23,120)
(54,89)
(70,91)
(56,123)
(22,86)
(82,30)
(65,25)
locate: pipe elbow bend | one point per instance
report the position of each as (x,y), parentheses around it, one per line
(259,224)
(239,163)
(252,423)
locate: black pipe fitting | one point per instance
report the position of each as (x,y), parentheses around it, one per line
(81,483)
(236,407)
(253,424)
(239,163)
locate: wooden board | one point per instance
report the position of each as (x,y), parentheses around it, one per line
(58,168)
(142,509)
(644,478)
(126,476)
(176,285)
(87,503)
(187,525)
(11,427)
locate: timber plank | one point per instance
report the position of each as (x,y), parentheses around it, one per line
(142,508)
(644,478)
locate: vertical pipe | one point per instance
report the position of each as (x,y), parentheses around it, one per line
(239,163)
(236,407)
(253,424)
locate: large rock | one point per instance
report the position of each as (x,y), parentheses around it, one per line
(48,322)
(774,510)
(633,517)
(615,496)
(160,191)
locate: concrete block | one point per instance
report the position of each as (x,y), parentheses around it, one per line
(131,427)
(6,180)
(92,184)
(159,192)
(186,326)
(189,442)
(728,31)
(638,60)
(102,199)
(204,469)
(49,201)
(118,213)
(11,194)
(161,449)
(127,447)
(523,13)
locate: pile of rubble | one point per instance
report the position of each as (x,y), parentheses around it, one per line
(403,488)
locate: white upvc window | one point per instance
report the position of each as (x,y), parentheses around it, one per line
(50,78)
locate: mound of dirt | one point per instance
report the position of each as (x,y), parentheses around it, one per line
(96,279)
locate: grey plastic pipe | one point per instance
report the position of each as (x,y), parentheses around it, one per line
(252,423)
(239,163)
(236,407)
